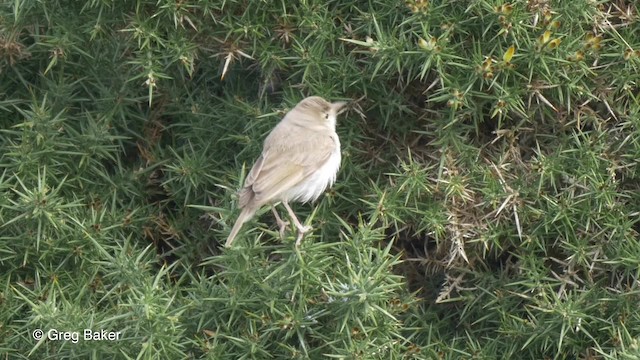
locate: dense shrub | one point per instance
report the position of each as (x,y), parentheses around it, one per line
(487,206)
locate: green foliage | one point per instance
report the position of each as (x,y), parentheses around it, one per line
(487,205)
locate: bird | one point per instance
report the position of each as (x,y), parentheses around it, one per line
(300,159)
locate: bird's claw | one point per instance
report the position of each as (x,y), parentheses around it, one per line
(301,232)
(283,227)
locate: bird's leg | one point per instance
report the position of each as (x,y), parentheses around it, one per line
(301,228)
(281,223)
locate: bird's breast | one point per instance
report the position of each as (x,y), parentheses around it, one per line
(318,181)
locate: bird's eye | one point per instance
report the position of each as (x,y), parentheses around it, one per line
(326,116)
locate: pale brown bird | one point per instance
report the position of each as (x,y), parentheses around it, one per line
(300,159)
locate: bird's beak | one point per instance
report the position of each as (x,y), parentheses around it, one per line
(339,107)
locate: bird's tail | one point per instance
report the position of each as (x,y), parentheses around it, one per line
(244,216)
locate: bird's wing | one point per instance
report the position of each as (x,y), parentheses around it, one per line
(284,163)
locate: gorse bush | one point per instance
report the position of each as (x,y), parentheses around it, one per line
(487,204)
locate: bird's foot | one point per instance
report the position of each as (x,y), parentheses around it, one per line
(302,230)
(283,227)
(281,223)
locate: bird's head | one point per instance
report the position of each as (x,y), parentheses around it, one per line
(318,109)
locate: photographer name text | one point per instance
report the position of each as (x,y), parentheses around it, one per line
(75,336)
